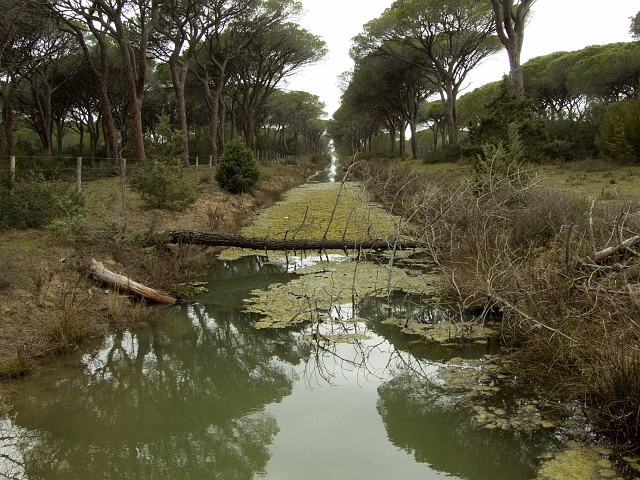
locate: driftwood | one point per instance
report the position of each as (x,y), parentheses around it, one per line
(604,254)
(260,243)
(120,281)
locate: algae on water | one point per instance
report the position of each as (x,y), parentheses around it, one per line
(306,213)
(578,462)
(321,289)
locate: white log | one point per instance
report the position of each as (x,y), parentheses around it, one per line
(120,281)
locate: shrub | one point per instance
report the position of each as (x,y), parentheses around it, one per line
(161,184)
(160,181)
(500,171)
(449,153)
(34,202)
(505,112)
(237,170)
(619,137)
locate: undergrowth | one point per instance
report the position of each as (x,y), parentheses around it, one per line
(506,244)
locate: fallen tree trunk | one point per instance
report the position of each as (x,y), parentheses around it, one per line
(120,281)
(260,243)
(610,251)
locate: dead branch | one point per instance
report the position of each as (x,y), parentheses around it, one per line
(610,251)
(98,270)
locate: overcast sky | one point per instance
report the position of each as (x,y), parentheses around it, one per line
(555,25)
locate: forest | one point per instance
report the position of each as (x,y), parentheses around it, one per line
(413,60)
(92,78)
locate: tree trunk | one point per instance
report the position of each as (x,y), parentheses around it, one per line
(125,283)
(59,135)
(108,124)
(392,140)
(81,139)
(610,251)
(516,73)
(511,21)
(135,104)
(222,123)
(7,119)
(450,115)
(257,243)
(414,140)
(178,76)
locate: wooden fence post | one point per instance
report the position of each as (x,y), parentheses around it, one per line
(79,174)
(123,163)
(210,168)
(196,169)
(12,171)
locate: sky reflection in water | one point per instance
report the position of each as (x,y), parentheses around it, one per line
(201,394)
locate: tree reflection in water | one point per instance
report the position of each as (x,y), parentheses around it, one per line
(185,398)
(163,402)
(430,423)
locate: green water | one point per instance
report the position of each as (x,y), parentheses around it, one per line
(200,394)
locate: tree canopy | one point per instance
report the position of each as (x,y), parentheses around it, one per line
(109,68)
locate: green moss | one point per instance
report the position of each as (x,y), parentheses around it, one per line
(445,332)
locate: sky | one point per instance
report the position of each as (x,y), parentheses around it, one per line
(554,25)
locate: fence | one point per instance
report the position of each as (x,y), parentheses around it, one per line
(83,169)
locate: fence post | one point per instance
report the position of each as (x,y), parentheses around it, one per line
(12,171)
(123,163)
(210,167)
(197,164)
(79,175)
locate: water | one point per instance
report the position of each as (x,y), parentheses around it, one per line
(201,394)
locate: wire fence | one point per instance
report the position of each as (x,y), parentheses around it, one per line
(80,170)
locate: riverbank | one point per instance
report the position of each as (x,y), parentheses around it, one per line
(48,303)
(532,246)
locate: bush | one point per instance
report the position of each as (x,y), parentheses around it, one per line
(160,181)
(449,153)
(237,170)
(619,137)
(507,111)
(161,184)
(500,171)
(34,202)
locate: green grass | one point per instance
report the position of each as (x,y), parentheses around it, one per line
(590,178)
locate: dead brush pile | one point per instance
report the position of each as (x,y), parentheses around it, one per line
(562,271)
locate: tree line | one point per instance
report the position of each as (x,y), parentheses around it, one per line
(107,69)
(411,62)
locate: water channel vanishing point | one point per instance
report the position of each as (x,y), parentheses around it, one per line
(201,393)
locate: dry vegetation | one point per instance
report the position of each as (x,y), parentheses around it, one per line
(48,303)
(519,243)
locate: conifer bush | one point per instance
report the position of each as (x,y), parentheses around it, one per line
(237,170)
(160,181)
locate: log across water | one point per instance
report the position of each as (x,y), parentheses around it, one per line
(261,243)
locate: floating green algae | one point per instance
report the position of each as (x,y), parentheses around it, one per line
(578,462)
(192,288)
(446,332)
(321,289)
(306,212)
(525,418)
